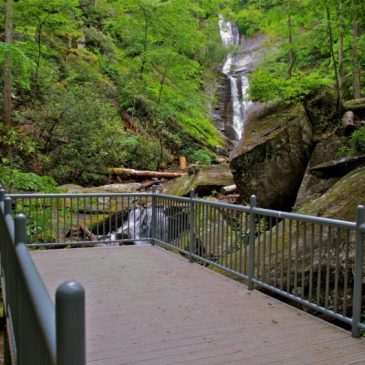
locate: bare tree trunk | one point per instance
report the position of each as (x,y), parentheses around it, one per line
(356,72)
(143,173)
(341,52)
(39,57)
(290,41)
(145,42)
(330,41)
(162,82)
(7,71)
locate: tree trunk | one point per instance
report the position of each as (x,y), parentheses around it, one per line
(228,189)
(7,71)
(145,42)
(290,41)
(39,57)
(139,173)
(330,43)
(341,52)
(356,67)
(162,82)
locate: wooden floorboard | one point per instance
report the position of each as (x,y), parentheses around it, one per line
(147,306)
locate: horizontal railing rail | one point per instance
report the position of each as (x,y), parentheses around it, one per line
(314,261)
(40,332)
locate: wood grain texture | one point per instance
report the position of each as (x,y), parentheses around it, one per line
(147,306)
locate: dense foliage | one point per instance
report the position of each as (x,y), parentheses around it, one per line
(106,83)
(90,84)
(314,43)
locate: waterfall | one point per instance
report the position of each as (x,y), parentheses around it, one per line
(138,225)
(236,70)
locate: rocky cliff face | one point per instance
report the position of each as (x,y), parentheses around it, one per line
(272,157)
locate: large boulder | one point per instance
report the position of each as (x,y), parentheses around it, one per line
(204,180)
(271,158)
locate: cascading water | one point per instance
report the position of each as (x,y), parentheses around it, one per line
(236,70)
(138,226)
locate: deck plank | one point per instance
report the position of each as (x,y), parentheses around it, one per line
(146,306)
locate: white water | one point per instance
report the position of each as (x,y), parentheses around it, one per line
(235,68)
(139,226)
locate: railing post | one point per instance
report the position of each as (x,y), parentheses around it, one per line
(191,225)
(2,194)
(70,324)
(251,262)
(20,233)
(357,296)
(7,205)
(154,214)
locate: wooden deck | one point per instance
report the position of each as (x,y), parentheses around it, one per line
(146,306)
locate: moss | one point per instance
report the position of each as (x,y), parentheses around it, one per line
(209,176)
(270,123)
(341,200)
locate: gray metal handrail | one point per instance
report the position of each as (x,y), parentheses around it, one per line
(314,261)
(40,333)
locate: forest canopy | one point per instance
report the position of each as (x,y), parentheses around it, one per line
(92,84)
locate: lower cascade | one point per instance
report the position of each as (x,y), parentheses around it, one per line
(138,226)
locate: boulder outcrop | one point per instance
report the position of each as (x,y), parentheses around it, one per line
(204,179)
(271,158)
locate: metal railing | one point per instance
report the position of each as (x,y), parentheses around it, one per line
(40,332)
(314,261)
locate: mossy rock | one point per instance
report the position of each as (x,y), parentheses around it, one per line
(313,186)
(204,180)
(271,159)
(341,200)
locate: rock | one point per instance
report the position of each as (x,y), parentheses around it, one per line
(341,200)
(311,244)
(271,158)
(204,180)
(312,185)
(349,123)
(323,111)
(112,188)
(355,104)
(338,168)
(72,188)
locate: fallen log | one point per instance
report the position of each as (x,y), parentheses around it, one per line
(228,189)
(131,172)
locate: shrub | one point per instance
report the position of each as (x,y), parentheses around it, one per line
(15,180)
(203,157)
(85,136)
(358,141)
(144,152)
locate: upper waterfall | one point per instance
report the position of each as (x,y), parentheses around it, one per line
(235,68)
